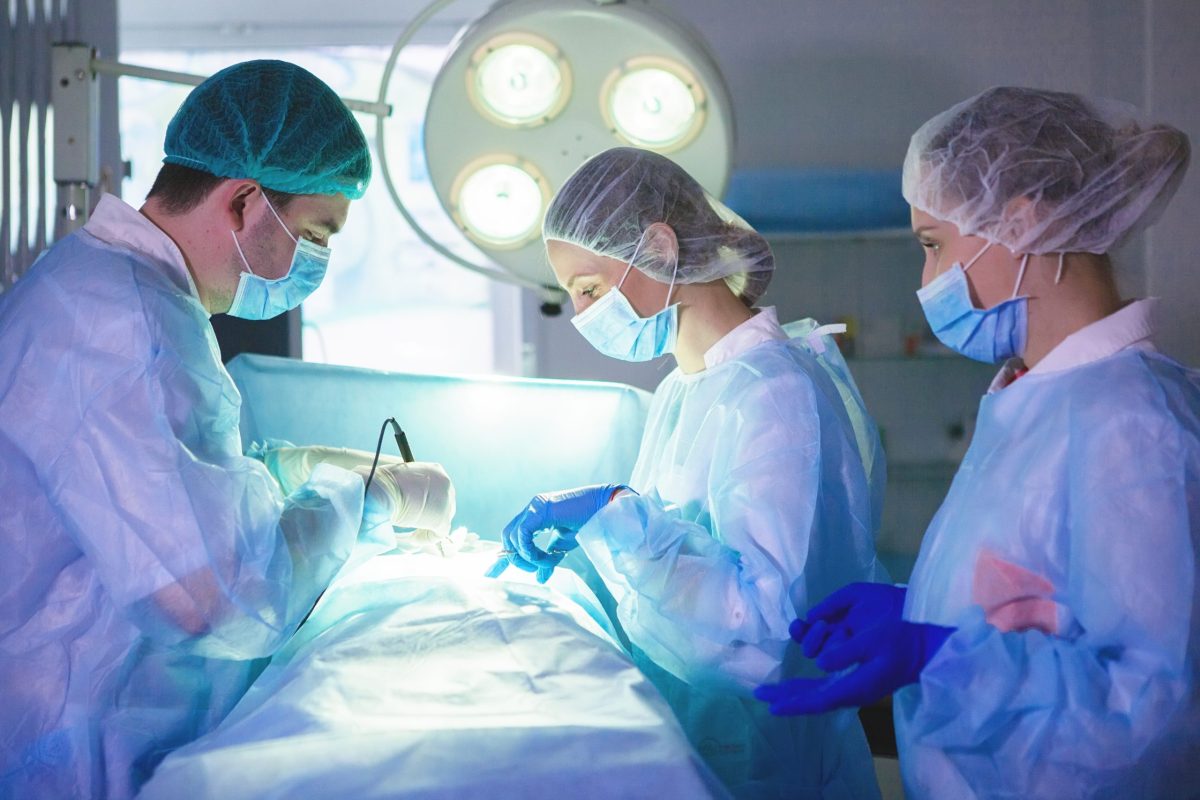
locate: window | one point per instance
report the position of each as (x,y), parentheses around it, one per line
(388,301)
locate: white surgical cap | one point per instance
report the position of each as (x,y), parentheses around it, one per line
(610,201)
(1044,172)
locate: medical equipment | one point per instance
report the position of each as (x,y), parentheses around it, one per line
(259,298)
(76,69)
(564,512)
(1065,556)
(273,122)
(859,625)
(419,672)
(1044,172)
(149,562)
(416,677)
(610,207)
(401,444)
(531,89)
(991,335)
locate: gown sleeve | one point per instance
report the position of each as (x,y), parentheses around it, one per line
(133,432)
(709,595)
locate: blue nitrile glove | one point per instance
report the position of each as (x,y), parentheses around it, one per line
(889,655)
(850,610)
(563,512)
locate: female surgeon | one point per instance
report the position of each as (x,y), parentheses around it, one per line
(1047,644)
(758,482)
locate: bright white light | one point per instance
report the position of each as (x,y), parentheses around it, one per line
(519,84)
(652,107)
(500,205)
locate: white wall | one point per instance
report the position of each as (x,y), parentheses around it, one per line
(1172,81)
(846,82)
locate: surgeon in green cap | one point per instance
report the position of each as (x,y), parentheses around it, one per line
(147,563)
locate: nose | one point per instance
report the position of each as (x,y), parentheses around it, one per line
(929,271)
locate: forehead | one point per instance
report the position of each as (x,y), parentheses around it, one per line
(920,219)
(569,260)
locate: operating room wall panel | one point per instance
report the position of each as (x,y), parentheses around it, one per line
(924,399)
(846,83)
(1174,243)
(501,440)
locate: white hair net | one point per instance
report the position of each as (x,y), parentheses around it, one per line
(610,201)
(1044,172)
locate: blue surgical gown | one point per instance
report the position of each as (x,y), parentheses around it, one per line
(146,564)
(1066,556)
(754,503)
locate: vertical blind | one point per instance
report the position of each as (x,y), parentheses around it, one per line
(27,197)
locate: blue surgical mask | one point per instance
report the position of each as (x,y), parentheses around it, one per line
(613,327)
(991,335)
(259,298)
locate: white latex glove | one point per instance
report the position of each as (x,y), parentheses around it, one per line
(291,466)
(417,495)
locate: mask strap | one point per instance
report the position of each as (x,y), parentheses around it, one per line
(1021,274)
(976,257)
(1058,275)
(280,221)
(671,288)
(632,258)
(238,245)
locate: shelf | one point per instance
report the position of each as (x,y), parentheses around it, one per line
(870,234)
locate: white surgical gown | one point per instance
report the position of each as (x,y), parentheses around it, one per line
(1066,556)
(145,562)
(754,503)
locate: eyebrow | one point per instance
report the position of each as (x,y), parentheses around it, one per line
(571,280)
(924,228)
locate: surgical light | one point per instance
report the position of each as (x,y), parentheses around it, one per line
(654,103)
(499,202)
(518,80)
(533,88)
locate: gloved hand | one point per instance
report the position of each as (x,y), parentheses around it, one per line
(413,495)
(850,610)
(291,465)
(565,513)
(888,655)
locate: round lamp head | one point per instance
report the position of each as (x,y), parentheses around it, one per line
(518,80)
(499,201)
(535,87)
(655,103)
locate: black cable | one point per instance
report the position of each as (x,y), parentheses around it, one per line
(401,442)
(406,454)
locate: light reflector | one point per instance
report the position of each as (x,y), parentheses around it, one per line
(654,103)
(518,80)
(499,201)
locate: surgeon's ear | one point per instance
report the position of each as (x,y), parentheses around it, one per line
(1018,218)
(234,196)
(660,242)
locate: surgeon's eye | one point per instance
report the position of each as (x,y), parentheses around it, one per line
(928,245)
(589,292)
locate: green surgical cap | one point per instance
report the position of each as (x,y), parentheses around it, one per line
(275,123)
